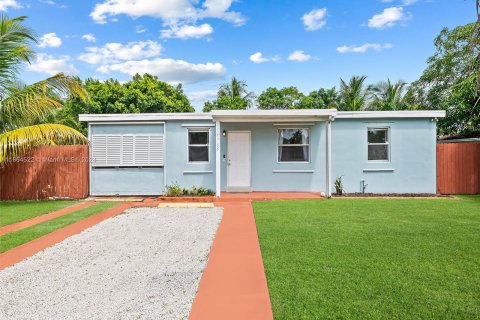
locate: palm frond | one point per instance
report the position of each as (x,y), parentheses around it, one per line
(17,142)
(26,105)
(15,49)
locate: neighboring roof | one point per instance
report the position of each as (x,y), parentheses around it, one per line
(261,115)
(462,137)
(390,114)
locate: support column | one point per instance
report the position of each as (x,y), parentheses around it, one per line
(328,175)
(218,159)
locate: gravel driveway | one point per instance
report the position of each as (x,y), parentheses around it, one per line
(143,264)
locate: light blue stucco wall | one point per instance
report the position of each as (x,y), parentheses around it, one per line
(412,143)
(178,169)
(412,152)
(264,159)
(126,181)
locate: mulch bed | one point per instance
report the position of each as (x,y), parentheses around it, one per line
(390,195)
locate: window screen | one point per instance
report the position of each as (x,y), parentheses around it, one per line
(293,145)
(198,145)
(378,145)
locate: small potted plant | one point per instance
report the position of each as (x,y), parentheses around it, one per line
(338,186)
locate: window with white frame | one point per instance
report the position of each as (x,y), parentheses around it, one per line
(198,142)
(378,144)
(293,145)
(117,150)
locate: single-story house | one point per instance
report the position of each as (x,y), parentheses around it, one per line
(256,150)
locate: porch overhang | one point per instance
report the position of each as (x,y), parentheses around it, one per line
(278,116)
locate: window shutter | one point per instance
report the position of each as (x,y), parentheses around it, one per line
(127,150)
(99,150)
(114,150)
(156,150)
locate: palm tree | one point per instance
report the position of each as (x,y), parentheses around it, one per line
(353,95)
(23,107)
(388,95)
(236,89)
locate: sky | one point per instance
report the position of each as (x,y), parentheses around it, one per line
(267,43)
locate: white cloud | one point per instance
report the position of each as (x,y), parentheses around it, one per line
(50,65)
(299,56)
(387,19)
(116,52)
(315,19)
(199,97)
(364,48)
(185,32)
(258,57)
(89,37)
(409,2)
(140,29)
(5,4)
(50,40)
(171,11)
(170,70)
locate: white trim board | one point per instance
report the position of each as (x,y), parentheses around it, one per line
(390,114)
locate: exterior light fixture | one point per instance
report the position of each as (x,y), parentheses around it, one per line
(224,133)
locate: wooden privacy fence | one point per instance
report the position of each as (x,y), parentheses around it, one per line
(57,171)
(458,168)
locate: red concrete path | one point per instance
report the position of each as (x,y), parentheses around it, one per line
(28,249)
(233,285)
(44,217)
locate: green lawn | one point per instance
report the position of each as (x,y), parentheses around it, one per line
(15,211)
(372,258)
(19,237)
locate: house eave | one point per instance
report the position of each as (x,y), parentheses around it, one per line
(273,115)
(390,114)
(143,117)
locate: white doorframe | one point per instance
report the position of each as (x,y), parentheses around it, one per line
(232,188)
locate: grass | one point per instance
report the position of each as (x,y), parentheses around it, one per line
(372,258)
(19,237)
(16,211)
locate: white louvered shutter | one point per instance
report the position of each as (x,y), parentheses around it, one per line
(99,150)
(156,150)
(114,150)
(128,151)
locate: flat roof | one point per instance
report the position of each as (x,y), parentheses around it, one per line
(261,115)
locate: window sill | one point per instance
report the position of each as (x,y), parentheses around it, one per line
(378,170)
(293,171)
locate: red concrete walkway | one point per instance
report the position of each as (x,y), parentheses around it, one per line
(233,285)
(44,217)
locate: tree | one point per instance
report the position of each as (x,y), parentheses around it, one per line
(321,99)
(23,108)
(387,96)
(141,94)
(285,98)
(231,96)
(446,83)
(353,95)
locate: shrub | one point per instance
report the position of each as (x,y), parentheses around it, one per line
(338,185)
(173,190)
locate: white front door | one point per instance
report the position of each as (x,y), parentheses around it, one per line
(238,161)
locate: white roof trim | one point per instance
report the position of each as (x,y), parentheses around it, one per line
(390,114)
(273,115)
(308,115)
(125,117)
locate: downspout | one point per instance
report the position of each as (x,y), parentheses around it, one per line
(164,157)
(328,175)
(217,158)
